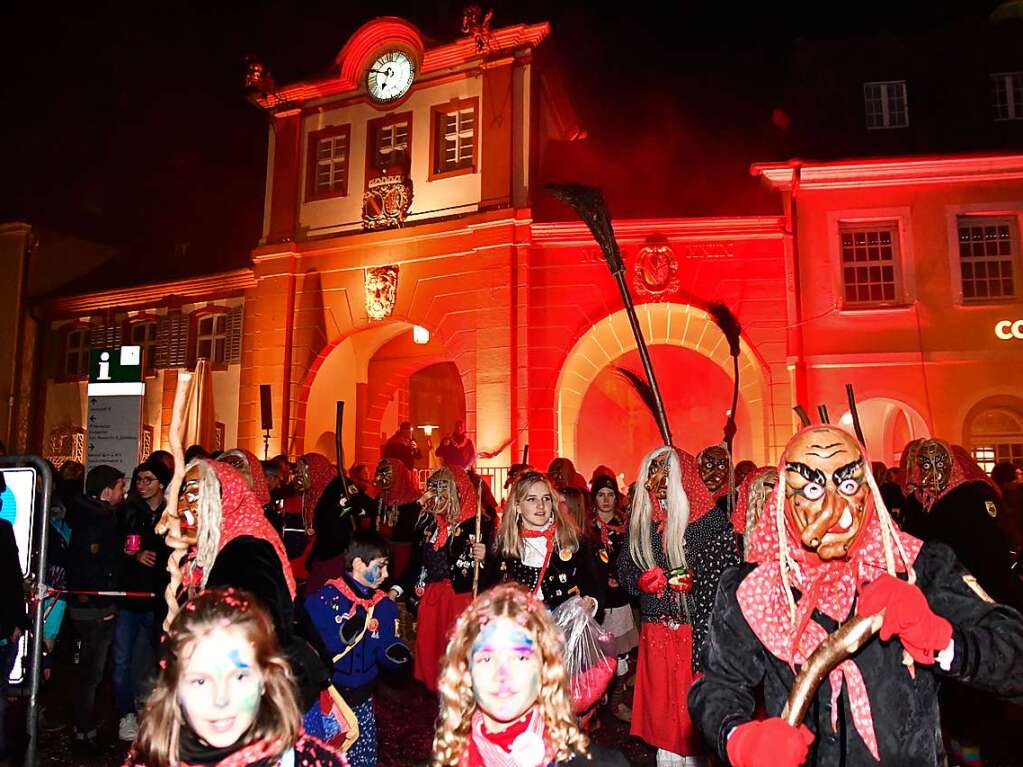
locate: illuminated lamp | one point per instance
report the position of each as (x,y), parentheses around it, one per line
(428,428)
(420,335)
(846,420)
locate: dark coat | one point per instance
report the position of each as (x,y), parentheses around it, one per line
(966,520)
(96,550)
(12,597)
(988,655)
(136,518)
(578,575)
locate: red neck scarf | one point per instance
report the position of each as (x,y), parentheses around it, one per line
(242,514)
(828,586)
(614,525)
(342,585)
(521,745)
(548,533)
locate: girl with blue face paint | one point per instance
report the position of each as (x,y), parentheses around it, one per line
(225,694)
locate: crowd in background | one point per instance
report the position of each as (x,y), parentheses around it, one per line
(400,553)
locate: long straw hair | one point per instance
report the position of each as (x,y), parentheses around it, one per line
(640,521)
(563,737)
(278,722)
(508,542)
(889,533)
(210,516)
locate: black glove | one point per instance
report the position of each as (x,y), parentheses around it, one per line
(352,627)
(398,653)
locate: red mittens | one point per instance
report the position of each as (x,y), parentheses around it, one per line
(906,614)
(769,743)
(653,581)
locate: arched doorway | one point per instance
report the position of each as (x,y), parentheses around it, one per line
(888,425)
(678,326)
(615,428)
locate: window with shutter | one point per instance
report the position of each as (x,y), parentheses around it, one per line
(172,341)
(454,138)
(234,335)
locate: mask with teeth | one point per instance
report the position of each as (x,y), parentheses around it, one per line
(827,497)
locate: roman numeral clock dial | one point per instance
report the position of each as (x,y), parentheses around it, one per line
(390,76)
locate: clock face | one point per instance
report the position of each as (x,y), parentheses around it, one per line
(390,76)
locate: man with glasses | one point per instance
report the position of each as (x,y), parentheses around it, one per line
(144,569)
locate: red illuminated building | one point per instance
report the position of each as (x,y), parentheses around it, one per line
(412,265)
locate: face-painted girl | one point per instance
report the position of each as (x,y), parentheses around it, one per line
(505,667)
(220,686)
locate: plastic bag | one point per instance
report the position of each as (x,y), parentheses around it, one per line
(589,655)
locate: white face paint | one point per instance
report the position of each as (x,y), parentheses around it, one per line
(220,687)
(505,667)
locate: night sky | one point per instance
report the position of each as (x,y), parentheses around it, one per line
(127,123)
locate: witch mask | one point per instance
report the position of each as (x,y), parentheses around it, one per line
(187,509)
(657,478)
(934,464)
(826,490)
(384,477)
(713,462)
(441,496)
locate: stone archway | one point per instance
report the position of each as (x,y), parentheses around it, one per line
(888,425)
(680,325)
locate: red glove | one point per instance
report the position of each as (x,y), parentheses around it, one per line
(653,581)
(906,614)
(769,743)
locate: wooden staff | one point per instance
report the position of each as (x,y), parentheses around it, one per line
(837,648)
(476,562)
(170,523)
(588,202)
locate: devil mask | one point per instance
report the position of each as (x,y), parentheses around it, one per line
(934,463)
(826,490)
(714,464)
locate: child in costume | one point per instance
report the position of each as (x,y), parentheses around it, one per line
(824,550)
(358,625)
(225,694)
(504,690)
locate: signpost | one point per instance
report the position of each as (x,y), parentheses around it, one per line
(115,394)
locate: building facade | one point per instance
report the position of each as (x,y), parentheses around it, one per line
(402,270)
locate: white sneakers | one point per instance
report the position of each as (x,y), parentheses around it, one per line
(668,759)
(128,728)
